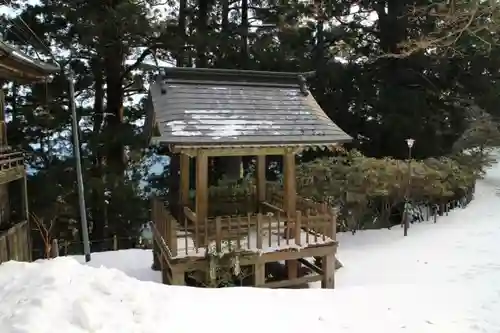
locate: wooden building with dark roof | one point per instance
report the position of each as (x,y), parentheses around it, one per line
(209,108)
(206,113)
(15,240)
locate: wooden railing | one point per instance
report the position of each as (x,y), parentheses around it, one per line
(8,158)
(15,243)
(164,227)
(224,204)
(11,165)
(249,232)
(275,200)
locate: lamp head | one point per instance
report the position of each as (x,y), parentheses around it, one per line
(410,142)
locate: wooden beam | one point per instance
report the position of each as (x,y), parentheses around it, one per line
(290,204)
(259,274)
(178,278)
(289,182)
(292,282)
(190,214)
(201,187)
(233,151)
(328,266)
(242,150)
(26,212)
(184,186)
(273,207)
(261,179)
(311,266)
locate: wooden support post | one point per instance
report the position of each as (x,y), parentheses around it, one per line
(24,184)
(261,181)
(174,185)
(184,186)
(259,274)
(163,269)
(164,277)
(201,193)
(332,230)
(3,125)
(178,278)
(156,252)
(171,234)
(290,203)
(156,266)
(289,182)
(328,265)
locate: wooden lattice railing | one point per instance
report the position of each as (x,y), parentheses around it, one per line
(249,232)
(223,202)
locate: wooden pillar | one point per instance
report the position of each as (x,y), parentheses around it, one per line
(259,274)
(290,203)
(156,253)
(3,125)
(328,266)
(289,182)
(201,190)
(261,181)
(178,278)
(184,183)
(164,274)
(156,266)
(24,184)
(174,185)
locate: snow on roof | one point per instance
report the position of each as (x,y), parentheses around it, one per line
(442,278)
(234,107)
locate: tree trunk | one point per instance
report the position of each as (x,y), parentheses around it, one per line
(244,34)
(231,166)
(98,203)
(115,159)
(182,33)
(174,163)
(202,34)
(113,163)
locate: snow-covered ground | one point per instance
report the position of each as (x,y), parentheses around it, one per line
(443,277)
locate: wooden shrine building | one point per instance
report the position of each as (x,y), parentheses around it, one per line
(205,113)
(14,226)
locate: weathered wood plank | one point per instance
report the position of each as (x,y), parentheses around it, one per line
(4,254)
(10,174)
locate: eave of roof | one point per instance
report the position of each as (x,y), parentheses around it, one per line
(24,67)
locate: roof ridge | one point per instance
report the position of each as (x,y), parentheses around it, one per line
(216,74)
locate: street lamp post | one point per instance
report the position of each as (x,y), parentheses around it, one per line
(79,173)
(409,142)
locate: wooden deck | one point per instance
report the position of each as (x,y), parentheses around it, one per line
(11,166)
(273,237)
(256,239)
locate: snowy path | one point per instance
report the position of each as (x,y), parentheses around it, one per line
(461,247)
(442,278)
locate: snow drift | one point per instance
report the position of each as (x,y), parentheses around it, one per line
(442,278)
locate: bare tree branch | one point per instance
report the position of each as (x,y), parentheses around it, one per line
(453,19)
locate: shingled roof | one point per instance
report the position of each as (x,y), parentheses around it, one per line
(207,107)
(17,66)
